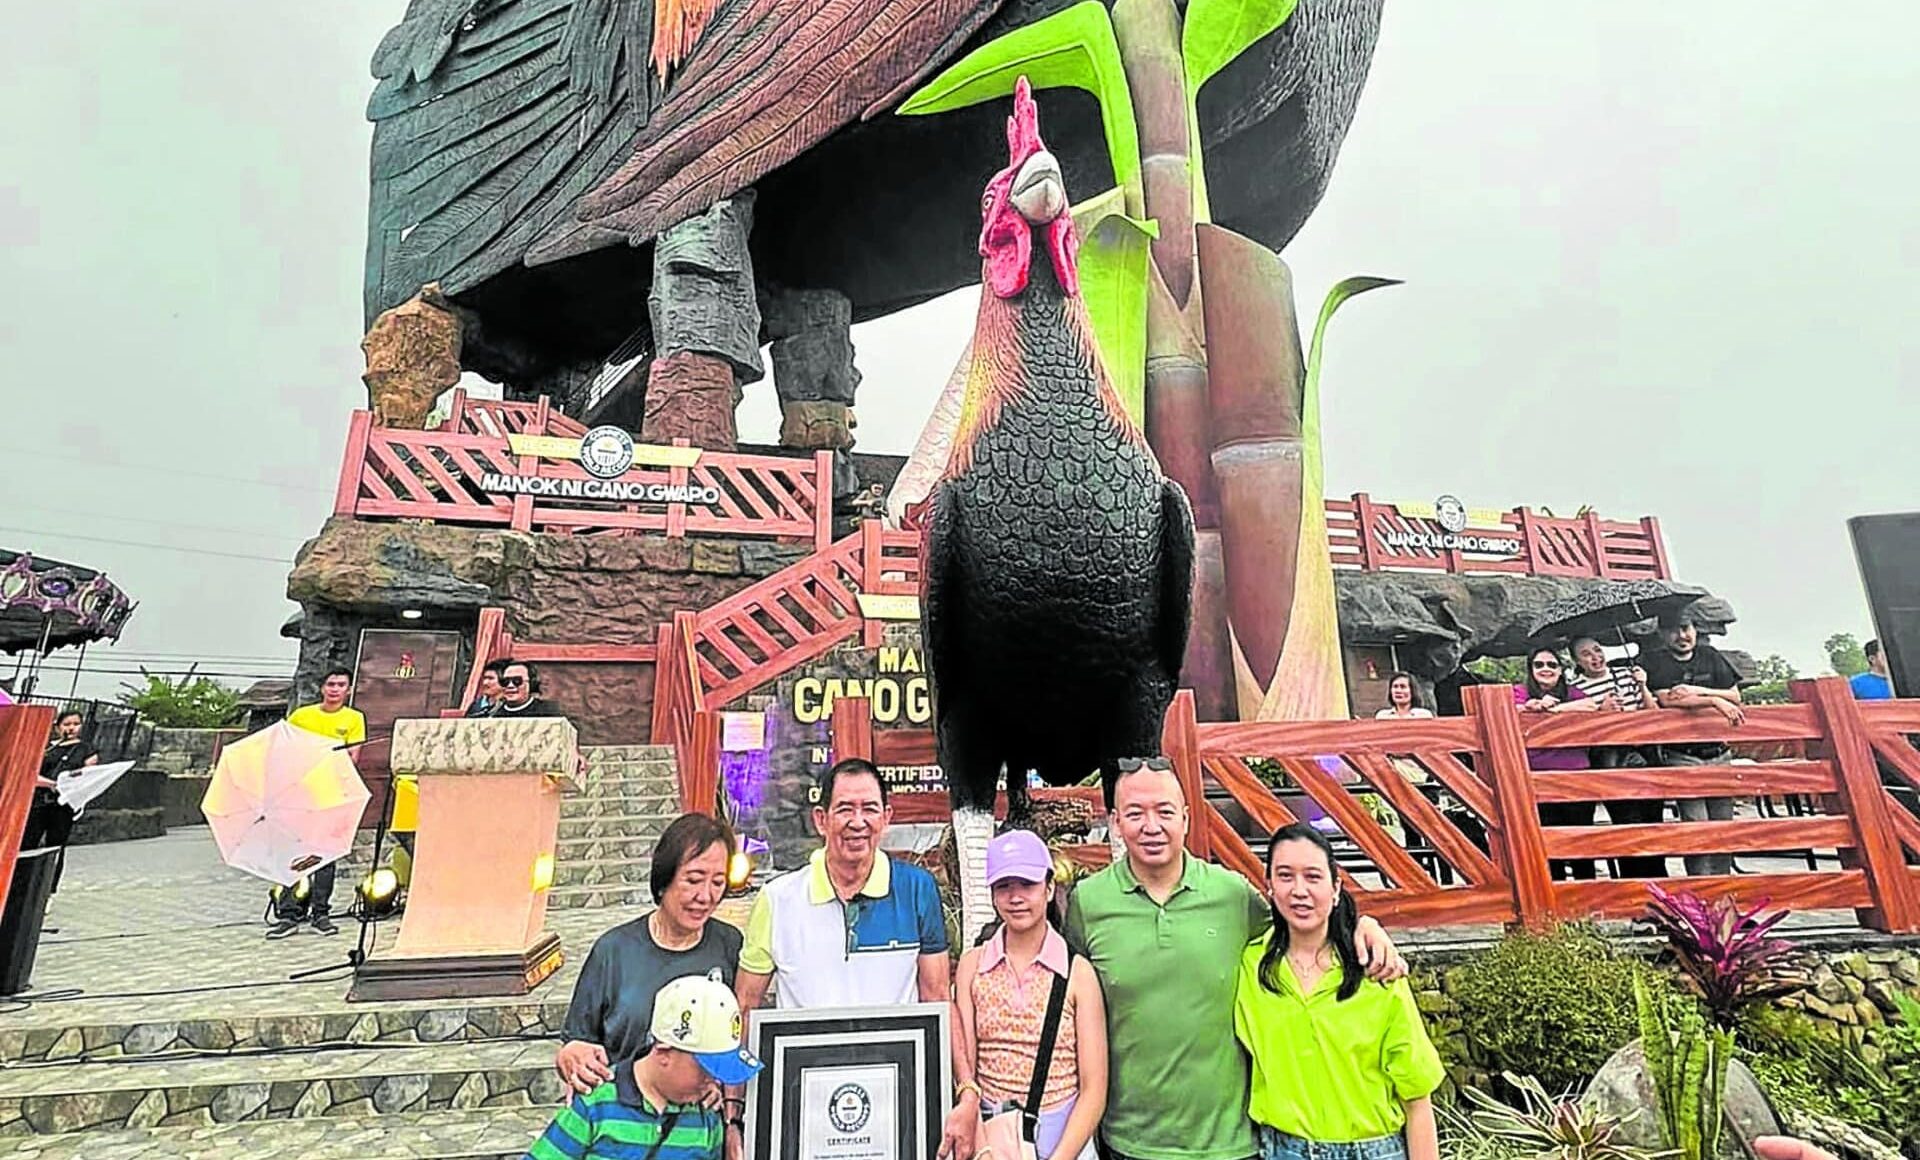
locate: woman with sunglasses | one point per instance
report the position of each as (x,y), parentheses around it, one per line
(520,693)
(1547,690)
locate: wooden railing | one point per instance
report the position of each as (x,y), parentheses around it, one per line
(437,475)
(24,730)
(1362,534)
(1473,847)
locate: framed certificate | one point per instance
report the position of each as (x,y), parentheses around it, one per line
(849,1083)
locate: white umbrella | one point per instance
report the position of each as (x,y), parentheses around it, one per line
(283,802)
(78,787)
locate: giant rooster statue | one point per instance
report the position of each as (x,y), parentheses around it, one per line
(1059,560)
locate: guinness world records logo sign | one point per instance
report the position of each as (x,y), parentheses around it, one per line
(606,452)
(849,1108)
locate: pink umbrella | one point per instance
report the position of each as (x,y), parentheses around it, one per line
(283,802)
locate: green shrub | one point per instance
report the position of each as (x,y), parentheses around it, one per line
(1554,1006)
(189,702)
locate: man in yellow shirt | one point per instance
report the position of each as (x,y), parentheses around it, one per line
(334,719)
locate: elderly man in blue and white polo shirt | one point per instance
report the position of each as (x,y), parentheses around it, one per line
(853,928)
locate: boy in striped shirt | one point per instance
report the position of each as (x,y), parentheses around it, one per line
(651,1109)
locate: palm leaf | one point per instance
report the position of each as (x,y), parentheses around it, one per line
(1074,48)
(1113,281)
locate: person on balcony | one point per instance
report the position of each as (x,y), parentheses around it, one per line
(1546,690)
(1876,684)
(488,697)
(1401,701)
(520,693)
(1619,688)
(1685,674)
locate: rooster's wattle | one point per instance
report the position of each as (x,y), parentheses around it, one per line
(1059,560)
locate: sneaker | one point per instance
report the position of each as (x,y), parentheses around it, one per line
(283,928)
(324,924)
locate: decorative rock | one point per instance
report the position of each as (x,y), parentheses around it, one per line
(1624,1089)
(151,1110)
(1881,993)
(1907,970)
(68,1046)
(471,1093)
(547,1087)
(1830,989)
(240,1102)
(147,1038)
(816,425)
(1866,1014)
(399,1093)
(366,1029)
(314,1101)
(716,558)
(413,356)
(1856,988)
(666,555)
(441,1024)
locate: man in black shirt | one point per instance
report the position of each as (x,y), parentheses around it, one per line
(1685,674)
(520,693)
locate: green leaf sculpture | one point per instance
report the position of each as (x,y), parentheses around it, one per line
(1217,31)
(1073,48)
(1113,282)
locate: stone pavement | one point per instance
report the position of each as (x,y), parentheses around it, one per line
(162,1023)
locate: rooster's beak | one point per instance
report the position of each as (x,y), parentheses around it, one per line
(1038,191)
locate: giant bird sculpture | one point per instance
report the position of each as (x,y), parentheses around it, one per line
(1058,559)
(527,153)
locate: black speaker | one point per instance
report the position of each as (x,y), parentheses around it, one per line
(1888,549)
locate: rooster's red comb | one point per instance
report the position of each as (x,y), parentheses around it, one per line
(1023,128)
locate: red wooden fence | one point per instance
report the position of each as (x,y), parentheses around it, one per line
(24,732)
(1361,534)
(398,473)
(1486,856)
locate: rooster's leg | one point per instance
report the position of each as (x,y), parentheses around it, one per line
(972,830)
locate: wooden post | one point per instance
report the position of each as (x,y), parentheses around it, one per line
(1597,532)
(346,494)
(852,729)
(871,544)
(1522,842)
(24,730)
(700,766)
(457,414)
(1363,523)
(1180,741)
(822,500)
(677,512)
(1650,527)
(1529,542)
(666,654)
(1896,901)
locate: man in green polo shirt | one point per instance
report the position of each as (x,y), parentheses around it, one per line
(1164,933)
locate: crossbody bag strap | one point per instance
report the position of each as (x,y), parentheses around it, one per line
(1043,1057)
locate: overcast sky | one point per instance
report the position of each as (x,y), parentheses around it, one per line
(1659,259)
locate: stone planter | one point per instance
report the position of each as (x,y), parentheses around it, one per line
(1624,1089)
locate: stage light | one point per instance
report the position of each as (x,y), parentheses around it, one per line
(543,872)
(739,870)
(380,892)
(411,614)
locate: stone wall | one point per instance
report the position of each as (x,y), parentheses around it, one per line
(554,589)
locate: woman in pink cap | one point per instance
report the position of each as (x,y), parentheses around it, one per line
(1019,991)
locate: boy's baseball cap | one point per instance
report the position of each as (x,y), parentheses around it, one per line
(1018,854)
(697,1014)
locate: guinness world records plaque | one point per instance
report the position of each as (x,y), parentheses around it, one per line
(867,1083)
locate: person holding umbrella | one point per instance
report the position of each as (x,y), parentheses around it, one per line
(332,718)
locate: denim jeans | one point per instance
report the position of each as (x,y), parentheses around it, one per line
(1276,1145)
(1704,809)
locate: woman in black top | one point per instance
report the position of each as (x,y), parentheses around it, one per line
(48,822)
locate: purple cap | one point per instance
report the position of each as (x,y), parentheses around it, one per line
(1018,854)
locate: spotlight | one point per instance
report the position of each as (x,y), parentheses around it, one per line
(380,892)
(543,872)
(411,614)
(739,871)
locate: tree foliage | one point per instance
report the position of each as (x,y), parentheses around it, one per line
(1846,654)
(1500,670)
(186,702)
(1771,676)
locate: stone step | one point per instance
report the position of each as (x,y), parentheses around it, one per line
(81,1039)
(640,786)
(594,804)
(602,872)
(613,825)
(200,1091)
(598,849)
(606,897)
(475,1134)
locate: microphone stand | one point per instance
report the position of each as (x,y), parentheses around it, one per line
(358,954)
